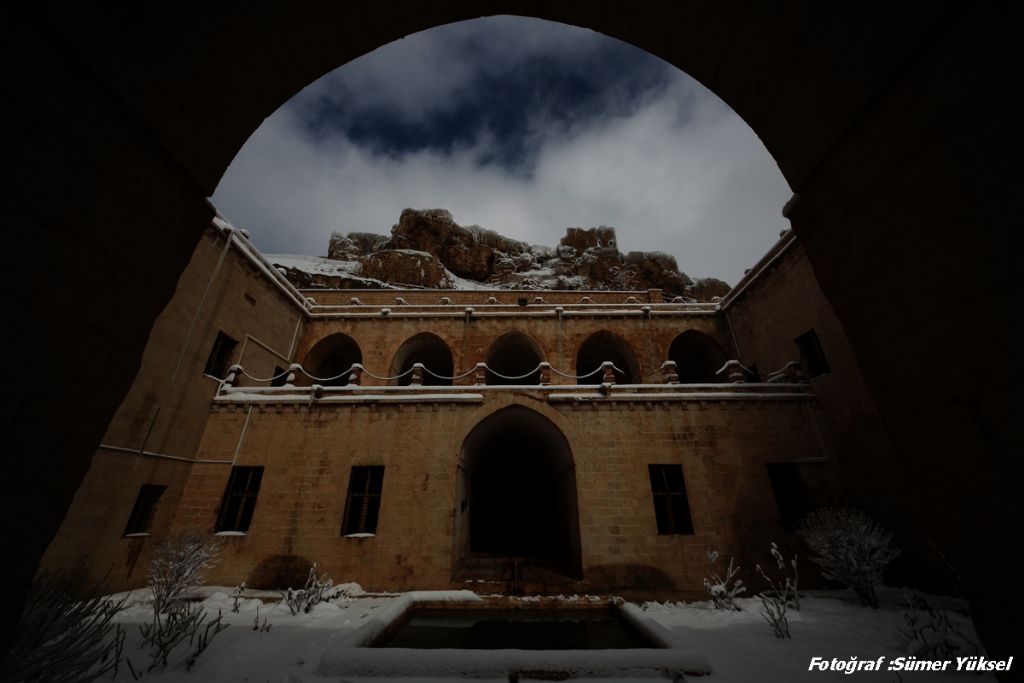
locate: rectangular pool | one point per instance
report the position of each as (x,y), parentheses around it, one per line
(526,629)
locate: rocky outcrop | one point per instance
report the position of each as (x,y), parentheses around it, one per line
(656,270)
(427,248)
(707,288)
(406,267)
(582,239)
(472,253)
(352,246)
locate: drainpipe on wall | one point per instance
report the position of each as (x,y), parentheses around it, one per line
(295,339)
(732,332)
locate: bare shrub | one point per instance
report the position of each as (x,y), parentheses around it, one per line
(64,635)
(177,566)
(237,597)
(176,569)
(723,589)
(780,595)
(850,548)
(928,633)
(257,626)
(316,590)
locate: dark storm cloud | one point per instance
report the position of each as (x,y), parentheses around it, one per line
(568,81)
(519,125)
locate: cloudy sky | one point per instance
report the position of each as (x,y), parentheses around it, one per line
(519,125)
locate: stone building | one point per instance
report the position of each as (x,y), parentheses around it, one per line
(550,440)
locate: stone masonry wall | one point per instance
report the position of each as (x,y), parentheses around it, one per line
(165,411)
(308,451)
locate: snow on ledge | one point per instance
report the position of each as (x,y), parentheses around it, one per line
(677,396)
(304,396)
(496,664)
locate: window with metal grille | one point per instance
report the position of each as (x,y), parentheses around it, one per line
(671,507)
(362,506)
(144,509)
(790,494)
(239,499)
(812,355)
(220,355)
(280,377)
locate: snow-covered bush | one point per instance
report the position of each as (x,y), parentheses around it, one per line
(850,548)
(176,569)
(723,589)
(780,595)
(928,633)
(316,590)
(64,635)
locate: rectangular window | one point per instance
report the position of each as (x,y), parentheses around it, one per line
(280,377)
(812,355)
(239,499)
(144,509)
(671,507)
(790,494)
(220,356)
(362,506)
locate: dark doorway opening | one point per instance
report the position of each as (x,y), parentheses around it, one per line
(430,351)
(517,493)
(697,357)
(514,355)
(331,359)
(603,347)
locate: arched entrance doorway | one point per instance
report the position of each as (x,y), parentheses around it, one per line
(517,496)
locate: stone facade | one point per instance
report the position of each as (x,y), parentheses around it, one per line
(373,408)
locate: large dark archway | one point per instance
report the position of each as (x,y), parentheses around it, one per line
(429,350)
(514,355)
(331,357)
(603,347)
(698,358)
(893,123)
(517,492)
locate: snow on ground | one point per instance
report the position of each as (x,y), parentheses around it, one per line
(463,283)
(313,264)
(738,645)
(829,624)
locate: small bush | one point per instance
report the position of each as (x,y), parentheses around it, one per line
(723,589)
(850,548)
(316,590)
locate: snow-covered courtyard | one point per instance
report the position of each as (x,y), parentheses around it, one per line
(737,645)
